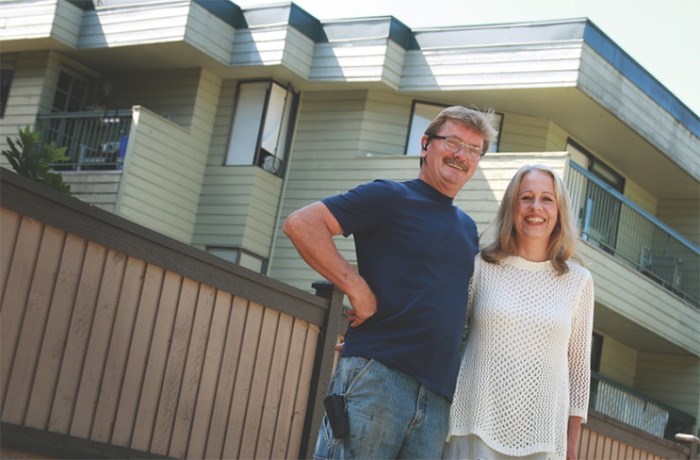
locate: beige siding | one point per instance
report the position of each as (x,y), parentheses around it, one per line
(28,93)
(384,126)
(683,216)
(238,204)
(640,196)
(238,208)
(521,133)
(166,164)
(99,189)
(672,379)
(524,134)
(172,95)
(618,361)
(628,103)
(630,294)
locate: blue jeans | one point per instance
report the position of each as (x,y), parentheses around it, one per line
(391,415)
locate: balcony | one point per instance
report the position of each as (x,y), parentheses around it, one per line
(95,140)
(610,221)
(627,406)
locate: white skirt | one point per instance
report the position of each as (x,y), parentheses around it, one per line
(471,447)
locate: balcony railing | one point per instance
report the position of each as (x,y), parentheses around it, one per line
(627,406)
(614,223)
(95,140)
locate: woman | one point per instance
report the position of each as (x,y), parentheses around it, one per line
(523,384)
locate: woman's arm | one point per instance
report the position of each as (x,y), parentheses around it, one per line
(573,435)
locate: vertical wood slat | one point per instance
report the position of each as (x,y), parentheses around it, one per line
(211,373)
(155,367)
(13,301)
(193,371)
(99,336)
(32,328)
(292,377)
(276,381)
(174,368)
(78,335)
(10,227)
(134,374)
(227,378)
(118,350)
(304,393)
(261,378)
(56,334)
(243,382)
(596,446)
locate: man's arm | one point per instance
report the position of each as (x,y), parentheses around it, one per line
(311,230)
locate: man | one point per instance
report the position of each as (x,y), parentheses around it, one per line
(415,257)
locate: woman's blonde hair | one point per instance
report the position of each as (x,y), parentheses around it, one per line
(562,241)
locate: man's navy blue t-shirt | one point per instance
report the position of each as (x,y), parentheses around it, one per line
(416,251)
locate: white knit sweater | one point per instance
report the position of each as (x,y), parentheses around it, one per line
(526,366)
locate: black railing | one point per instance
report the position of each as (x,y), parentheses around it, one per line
(94,140)
(617,225)
(627,406)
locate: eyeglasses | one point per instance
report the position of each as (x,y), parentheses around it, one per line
(454,145)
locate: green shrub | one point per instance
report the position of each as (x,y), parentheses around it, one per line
(32,160)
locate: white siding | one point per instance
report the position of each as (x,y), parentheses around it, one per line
(35,19)
(136,24)
(492,67)
(375,60)
(272,46)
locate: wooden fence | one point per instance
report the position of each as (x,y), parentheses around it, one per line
(119,342)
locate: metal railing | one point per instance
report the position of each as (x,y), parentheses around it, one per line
(95,140)
(612,222)
(627,406)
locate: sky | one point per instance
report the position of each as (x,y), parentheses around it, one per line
(662,36)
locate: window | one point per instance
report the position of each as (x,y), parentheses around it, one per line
(596,351)
(262,121)
(423,114)
(582,157)
(71,92)
(240,257)
(7,72)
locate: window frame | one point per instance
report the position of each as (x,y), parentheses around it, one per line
(278,100)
